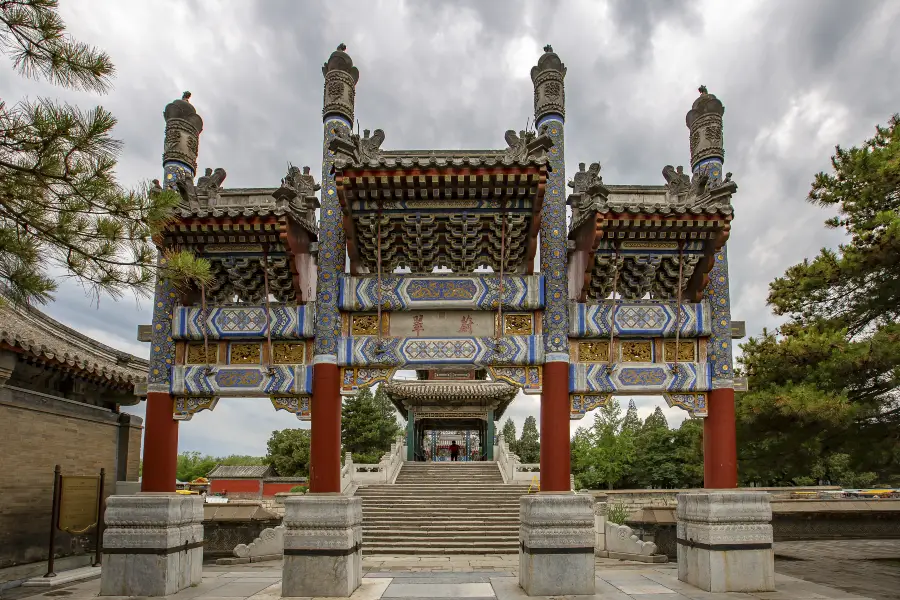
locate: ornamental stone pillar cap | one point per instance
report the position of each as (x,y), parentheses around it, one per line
(705,104)
(341,61)
(183,109)
(549,61)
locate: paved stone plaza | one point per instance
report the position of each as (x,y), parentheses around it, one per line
(494,577)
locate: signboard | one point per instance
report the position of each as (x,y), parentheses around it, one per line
(444,323)
(78,502)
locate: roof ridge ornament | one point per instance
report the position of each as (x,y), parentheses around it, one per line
(527,145)
(350,148)
(587,189)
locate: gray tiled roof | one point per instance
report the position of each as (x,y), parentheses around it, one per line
(38,334)
(239,472)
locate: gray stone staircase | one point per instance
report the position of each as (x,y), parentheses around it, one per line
(442,508)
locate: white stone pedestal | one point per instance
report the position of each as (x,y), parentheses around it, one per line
(725,541)
(322,545)
(152,544)
(556,544)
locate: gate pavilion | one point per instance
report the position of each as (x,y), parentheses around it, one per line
(630,297)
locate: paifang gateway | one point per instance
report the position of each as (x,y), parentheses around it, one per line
(631,296)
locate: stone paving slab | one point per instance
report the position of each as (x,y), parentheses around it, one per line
(416,579)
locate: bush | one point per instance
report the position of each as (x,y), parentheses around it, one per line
(617,513)
(298,489)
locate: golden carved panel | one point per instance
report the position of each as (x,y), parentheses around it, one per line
(288,353)
(593,351)
(637,351)
(196,354)
(245,354)
(686,351)
(518,325)
(364,325)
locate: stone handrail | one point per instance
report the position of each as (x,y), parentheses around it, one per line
(354,474)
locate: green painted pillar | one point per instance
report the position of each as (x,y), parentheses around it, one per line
(490,435)
(410,435)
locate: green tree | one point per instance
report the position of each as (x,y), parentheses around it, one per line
(191,465)
(688,443)
(824,384)
(631,423)
(509,434)
(613,452)
(368,425)
(583,461)
(288,452)
(529,445)
(655,420)
(60,204)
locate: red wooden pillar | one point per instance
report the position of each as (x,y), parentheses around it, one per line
(160,445)
(555,443)
(325,417)
(720,442)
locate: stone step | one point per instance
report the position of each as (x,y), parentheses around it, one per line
(436,550)
(408,535)
(440,509)
(438,528)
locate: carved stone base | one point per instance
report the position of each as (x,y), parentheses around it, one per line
(152,545)
(556,552)
(725,541)
(322,545)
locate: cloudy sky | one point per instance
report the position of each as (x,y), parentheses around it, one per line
(796,77)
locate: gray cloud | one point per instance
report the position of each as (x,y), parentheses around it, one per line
(796,78)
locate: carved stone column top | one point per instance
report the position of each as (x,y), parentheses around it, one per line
(340,84)
(183,128)
(724,507)
(549,89)
(704,121)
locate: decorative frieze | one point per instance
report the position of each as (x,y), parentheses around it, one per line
(411,292)
(632,351)
(433,351)
(597,351)
(518,324)
(288,321)
(185,407)
(242,381)
(298,405)
(288,353)
(695,403)
(581,404)
(638,378)
(638,320)
(529,379)
(686,351)
(201,354)
(354,379)
(244,353)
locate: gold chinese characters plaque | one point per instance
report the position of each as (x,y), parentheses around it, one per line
(78,503)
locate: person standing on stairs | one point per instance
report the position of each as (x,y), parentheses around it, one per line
(454,451)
